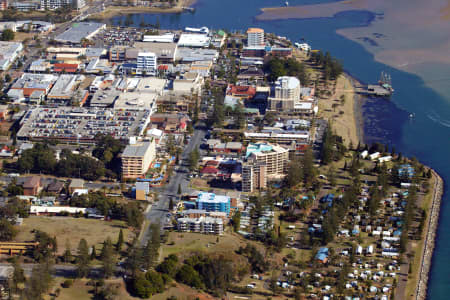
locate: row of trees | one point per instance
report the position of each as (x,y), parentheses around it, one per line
(277,67)
(332,68)
(41,159)
(110,207)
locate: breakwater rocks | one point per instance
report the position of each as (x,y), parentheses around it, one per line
(438,189)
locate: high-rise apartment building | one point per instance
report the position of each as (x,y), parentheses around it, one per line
(255,37)
(55,4)
(136,158)
(264,162)
(286,94)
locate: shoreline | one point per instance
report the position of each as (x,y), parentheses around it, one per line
(114,11)
(430,238)
(345,117)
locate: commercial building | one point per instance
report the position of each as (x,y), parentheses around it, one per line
(165,52)
(286,94)
(146,62)
(80,31)
(136,158)
(189,83)
(206,225)
(81,125)
(28,83)
(64,88)
(264,162)
(255,37)
(9,51)
(23,5)
(281,137)
(213,202)
(193,40)
(167,37)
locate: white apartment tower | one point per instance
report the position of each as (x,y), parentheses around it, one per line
(286,94)
(255,37)
(146,62)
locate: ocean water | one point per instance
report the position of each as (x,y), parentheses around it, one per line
(426,136)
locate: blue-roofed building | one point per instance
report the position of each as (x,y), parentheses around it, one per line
(406,170)
(213,202)
(322,255)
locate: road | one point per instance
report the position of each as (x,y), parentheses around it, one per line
(66,271)
(160,209)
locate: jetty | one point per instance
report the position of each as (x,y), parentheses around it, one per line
(374,90)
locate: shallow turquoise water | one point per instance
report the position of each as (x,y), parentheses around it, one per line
(426,137)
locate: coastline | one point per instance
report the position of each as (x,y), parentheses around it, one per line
(113,11)
(429,243)
(346,118)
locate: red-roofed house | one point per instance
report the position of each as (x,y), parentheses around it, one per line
(209,171)
(32,186)
(67,68)
(241,91)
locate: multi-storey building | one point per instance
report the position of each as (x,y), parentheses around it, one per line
(255,37)
(146,62)
(136,158)
(207,225)
(3,4)
(213,202)
(264,162)
(253,177)
(286,94)
(55,4)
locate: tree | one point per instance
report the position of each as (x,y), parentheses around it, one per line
(295,174)
(7,35)
(179,189)
(18,276)
(39,281)
(7,230)
(332,176)
(236,221)
(194,156)
(188,275)
(151,251)
(170,204)
(107,257)
(67,255)
(93,253)
(83,259)
(119,241)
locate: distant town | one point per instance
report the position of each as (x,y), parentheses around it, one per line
(194,164)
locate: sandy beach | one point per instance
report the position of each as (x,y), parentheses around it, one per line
(112,11)
(349,124)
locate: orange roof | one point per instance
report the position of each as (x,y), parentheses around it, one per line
(255,30)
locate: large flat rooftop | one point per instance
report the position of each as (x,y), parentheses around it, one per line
(81,124)
(79,31)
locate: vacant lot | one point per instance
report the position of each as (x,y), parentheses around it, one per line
(179,242)
(74,229)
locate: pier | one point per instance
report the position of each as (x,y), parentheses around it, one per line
(373,90)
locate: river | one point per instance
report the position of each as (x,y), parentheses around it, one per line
(426,136)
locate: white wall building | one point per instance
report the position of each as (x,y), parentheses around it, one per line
(9,51)
(255,37)
(146,62)
(286,94)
